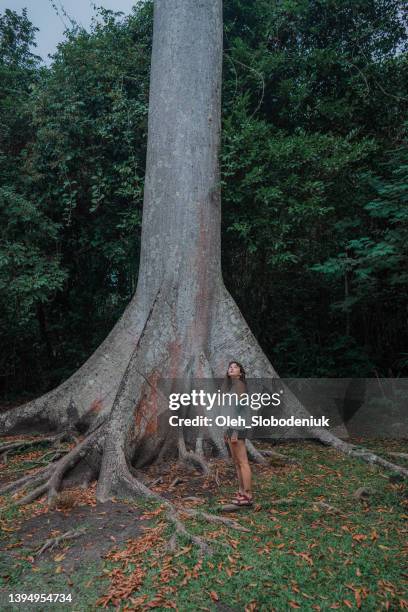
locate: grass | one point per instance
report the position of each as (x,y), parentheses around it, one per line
(296,556)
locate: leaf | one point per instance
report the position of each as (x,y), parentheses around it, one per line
(293,604)
(214,596)
(59,557)
(359,537)
(347,603)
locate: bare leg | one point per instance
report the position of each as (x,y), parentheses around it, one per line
(233,448)
(234,437)
(245,470)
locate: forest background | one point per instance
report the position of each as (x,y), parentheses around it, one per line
(314,164)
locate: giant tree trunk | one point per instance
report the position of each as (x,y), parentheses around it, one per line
(182,321)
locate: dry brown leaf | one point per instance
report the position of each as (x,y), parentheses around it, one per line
(359,537)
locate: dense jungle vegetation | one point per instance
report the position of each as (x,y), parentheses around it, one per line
(314,165)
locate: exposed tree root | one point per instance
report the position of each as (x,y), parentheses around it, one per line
(29,479)
(401,455)
(3,457)
(189,457)
(363,493)
(156,481)
(199,449)
(359,452)
(66,463)
(216,479)
(175,482)
(327,507)
(214,518)
(34,494)
(50,478)
(128,485)
(254,453)
(52,542)
(276,455)
(287,501)
(27,443)
(231,508)
(181,530)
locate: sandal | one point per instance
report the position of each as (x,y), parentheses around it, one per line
(237,497)
(244,500)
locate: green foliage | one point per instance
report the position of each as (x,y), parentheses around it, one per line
(314,176)
(28,273)
(315,95)
(79,171)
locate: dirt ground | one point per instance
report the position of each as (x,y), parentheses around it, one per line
(121,542)
(74,565)
(103,526)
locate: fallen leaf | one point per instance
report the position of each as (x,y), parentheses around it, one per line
(214,596)
(359,537)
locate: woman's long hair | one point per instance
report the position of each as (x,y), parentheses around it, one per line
(227,383)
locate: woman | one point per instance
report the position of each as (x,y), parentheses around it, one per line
(235,437)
